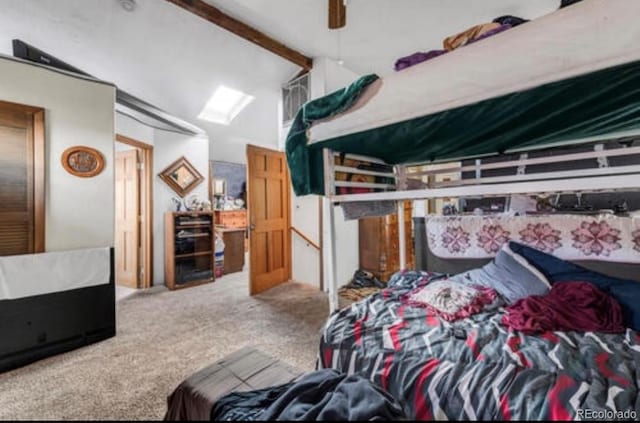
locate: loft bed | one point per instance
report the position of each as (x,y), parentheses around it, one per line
(449,108)
(569,78)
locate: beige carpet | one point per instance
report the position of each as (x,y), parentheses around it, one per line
(162,338)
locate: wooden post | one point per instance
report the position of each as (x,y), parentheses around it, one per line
(402,236)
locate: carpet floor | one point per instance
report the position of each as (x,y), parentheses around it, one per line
(163,337)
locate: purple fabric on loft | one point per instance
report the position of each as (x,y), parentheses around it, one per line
(499,29)
(415,58)
(419,57)
(569,306)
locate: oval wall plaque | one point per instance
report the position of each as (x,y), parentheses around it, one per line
(83,161)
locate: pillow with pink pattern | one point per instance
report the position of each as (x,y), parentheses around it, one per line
(453,300)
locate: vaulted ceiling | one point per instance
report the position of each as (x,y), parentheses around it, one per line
(159,52)
(174,59)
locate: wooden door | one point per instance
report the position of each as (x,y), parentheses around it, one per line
(21,179)
(127,218)
(145,152)
(269,205)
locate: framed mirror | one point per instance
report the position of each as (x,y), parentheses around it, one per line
(181,176)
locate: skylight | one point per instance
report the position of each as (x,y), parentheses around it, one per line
(224,105)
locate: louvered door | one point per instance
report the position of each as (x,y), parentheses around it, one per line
(21,179)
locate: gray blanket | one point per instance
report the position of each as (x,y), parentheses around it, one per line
(320,395)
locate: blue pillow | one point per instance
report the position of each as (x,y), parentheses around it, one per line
(508,274)
(556,270)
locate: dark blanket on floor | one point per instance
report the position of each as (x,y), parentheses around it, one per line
(321,395)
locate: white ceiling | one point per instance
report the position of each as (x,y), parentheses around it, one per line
(159,53)
(175,60)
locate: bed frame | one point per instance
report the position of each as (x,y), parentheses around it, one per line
(39,326)
(607,177)
(426,260)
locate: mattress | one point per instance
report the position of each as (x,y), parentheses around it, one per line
(475,368)
(586,37)
(37,274)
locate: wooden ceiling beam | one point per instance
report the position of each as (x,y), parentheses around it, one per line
(337,14)
(231,24)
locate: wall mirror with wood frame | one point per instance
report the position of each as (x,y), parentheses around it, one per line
(181,176)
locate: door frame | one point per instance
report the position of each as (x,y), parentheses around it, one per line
(146,207)
(287,231)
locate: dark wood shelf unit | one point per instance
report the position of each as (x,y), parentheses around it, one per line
(191,226)
(189,257)
(200,253)
(201,235)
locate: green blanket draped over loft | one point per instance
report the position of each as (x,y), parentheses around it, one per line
(305,164)
(587,106)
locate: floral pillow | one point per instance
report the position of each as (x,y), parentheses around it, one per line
(453,300)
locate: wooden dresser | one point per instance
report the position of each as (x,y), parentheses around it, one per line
(231,218)
(378,244)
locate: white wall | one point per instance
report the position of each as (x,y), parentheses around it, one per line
(228,151)
(133,129)
(257,124)
(326,77)
(123,147)
(306,259)
(168,147)
(336,76)
(79,212)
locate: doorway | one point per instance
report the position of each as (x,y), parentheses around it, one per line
(134,213)
(269,205)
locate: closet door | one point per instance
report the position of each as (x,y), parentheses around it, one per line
(127,218)
(21,179)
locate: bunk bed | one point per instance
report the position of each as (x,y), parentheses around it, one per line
(569,78)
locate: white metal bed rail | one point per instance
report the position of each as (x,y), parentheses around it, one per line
(534,161)
(405,186)
(407,182)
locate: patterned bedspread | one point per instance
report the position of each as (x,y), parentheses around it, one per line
(475,368)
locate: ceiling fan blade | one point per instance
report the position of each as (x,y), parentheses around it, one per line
(337,14)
